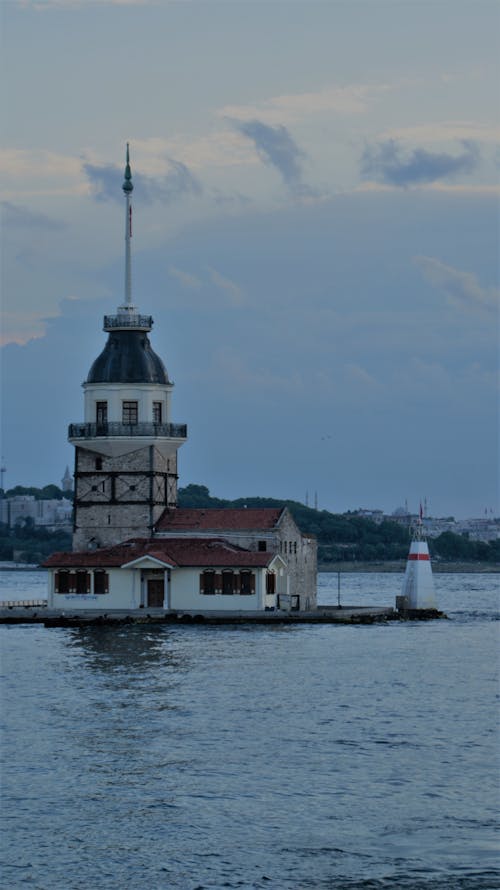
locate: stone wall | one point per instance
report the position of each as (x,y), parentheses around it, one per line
(121,497)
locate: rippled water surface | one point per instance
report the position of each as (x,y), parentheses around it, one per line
(254,757)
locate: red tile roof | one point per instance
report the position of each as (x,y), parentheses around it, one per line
(219,519)
(107,556)
(208,552)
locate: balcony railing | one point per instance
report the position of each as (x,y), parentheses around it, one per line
(142,322)
(112,429)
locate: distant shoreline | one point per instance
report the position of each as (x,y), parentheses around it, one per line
(438,567)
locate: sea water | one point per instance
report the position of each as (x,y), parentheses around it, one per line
(283,757)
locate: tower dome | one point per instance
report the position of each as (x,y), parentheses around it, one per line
(128,358)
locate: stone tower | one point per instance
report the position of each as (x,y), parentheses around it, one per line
(126,448)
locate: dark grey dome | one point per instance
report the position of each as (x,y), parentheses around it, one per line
(128,358)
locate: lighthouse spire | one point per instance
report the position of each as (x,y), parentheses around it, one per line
(127,317)
(127,190)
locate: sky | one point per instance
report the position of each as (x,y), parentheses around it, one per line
(315,234)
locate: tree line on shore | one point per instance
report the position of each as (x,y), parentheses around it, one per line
(347,537)
(344,537)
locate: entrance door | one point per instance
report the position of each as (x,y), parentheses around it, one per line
(156,592)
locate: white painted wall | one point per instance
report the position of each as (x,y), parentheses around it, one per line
(115,393)
(185,594)
(124,593)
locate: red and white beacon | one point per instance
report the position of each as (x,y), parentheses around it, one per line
(418,584)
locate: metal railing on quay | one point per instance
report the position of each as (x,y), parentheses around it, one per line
(23,604)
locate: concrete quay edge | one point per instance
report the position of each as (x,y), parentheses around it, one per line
(99,617)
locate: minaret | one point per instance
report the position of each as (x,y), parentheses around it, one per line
(67,481)
(126,448)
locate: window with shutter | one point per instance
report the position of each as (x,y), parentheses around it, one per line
(82,582)
(228,583)
(101,581)
(207,583)
(247,580)
(61,582)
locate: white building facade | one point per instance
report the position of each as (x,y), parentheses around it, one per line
(181,576)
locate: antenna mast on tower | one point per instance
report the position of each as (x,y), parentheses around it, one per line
(127,190)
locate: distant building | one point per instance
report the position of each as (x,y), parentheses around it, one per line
(50,513)
(375,515)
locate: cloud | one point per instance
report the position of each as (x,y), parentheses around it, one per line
(189,281)
(218,148)
(277,149)
(386,163)
(26,162)
(106,181)
(226,199)
(445,131)
(20,217)
(461,288)
(236,371)
(296,106)
(355,373)
(42,5)
(232,290)
(204,283)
